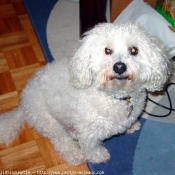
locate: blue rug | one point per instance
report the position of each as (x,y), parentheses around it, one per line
(39,11)
(149,151)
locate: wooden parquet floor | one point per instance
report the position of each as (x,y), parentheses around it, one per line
(20,57)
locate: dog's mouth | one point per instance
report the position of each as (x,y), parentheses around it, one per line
(120,77)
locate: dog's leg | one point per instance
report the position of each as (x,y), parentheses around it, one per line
(134,127)
(94,151)
(49,127)
(138,102)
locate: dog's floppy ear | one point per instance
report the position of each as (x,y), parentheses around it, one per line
(80,71)
(161,67)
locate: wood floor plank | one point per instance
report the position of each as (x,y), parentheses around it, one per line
(19,7)
(11,150)
(10,24)
(6,83)
(14,40)
(1,166)
(35,134)
(20,57)
(49,155)
(3,2)
(9,21)
(38,52)
(8,101)
(26,135)
(23,158)
(3,63)
(21,75)
(31,35)
(25,22)
(7,10)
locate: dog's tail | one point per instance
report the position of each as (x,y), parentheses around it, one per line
(10,125)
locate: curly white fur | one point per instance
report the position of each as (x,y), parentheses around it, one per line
(83,100)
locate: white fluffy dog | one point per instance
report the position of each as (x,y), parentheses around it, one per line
(99,94)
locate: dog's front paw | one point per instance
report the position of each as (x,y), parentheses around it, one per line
(134,127)
(98,155)
(74,158)
(71,154)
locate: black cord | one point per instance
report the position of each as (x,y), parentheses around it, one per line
(167,108)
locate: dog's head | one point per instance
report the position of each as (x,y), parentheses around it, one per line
(119,57)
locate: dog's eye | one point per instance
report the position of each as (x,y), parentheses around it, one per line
(133,51)
(108,51)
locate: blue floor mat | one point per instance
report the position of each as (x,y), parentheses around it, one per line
(39,11)
(149,151)
(122,149)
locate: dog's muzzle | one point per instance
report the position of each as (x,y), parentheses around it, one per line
(120,72)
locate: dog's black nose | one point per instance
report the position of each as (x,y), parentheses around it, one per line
(119,67)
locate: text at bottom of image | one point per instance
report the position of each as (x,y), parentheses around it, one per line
(7,172)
